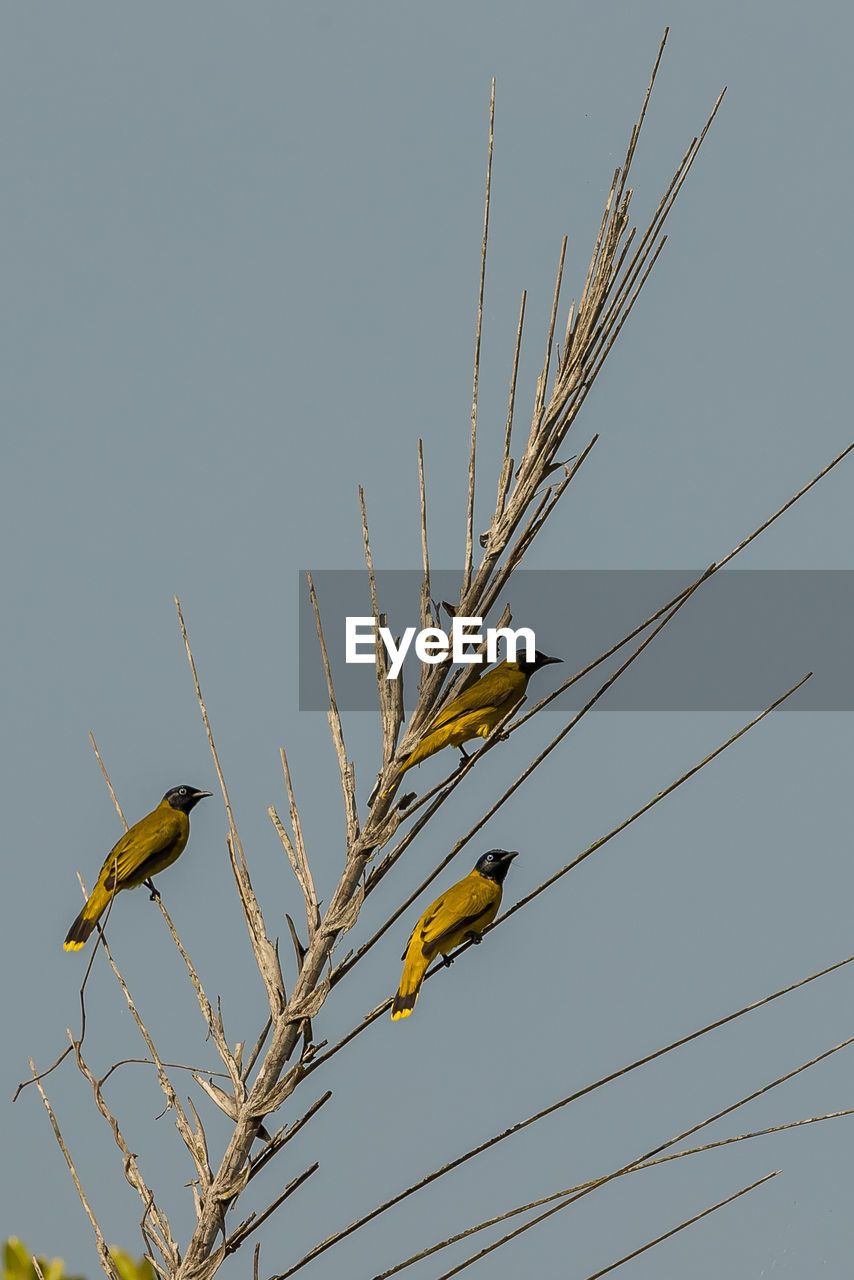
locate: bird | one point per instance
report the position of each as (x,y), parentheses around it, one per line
(146,848)
(476,712)
(462,912)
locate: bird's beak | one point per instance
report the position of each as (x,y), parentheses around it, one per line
(200,795)
(545,660)
(509,856)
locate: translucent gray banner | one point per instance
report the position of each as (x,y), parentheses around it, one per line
(743,638)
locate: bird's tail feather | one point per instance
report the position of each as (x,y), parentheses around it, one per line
(410,985)
(403,1004)
(84,925)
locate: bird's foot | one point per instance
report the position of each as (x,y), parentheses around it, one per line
(477,938)
(447,961)
(154,895)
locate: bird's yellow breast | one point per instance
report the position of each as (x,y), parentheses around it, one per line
(466,908)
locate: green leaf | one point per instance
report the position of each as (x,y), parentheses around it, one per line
(18,1263)
(16,1260)
(128,1269)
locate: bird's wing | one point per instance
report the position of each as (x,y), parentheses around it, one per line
(463,904)
(151,835)
(491,690)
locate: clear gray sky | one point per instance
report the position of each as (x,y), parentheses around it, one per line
(241,255)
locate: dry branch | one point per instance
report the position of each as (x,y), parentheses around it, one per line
(426,607)
(568,1191)
(156,1229)
(550,1110)
(100,1242)
(687,1222)
(389,692)
(570,1195)
(476,377)
(265,953)
(348,782)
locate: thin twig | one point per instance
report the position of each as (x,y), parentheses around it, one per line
(542,381)
(348,783)
(516,553)
(107,780)
(149,1062)
(568,1191)
(296,852)
(213,1025)
(446,1275)
(172,1100)
(258,1046)
(597,844)
(389,692)
(479,330)
(600,1083)
(163,1238)
(284,1136)
(100,1242)
(205,720)
(81,993)
(312,909)
(236,1239)
(506,470)
(265,953)
(649,1158)
(426,610)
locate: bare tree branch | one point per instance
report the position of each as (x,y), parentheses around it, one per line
(506,470)
(265,953)
(107,780)
(297,853)
(389,692)
(566,1101)
(478,333)
(252,1223)
(446,1275)
(159,1231)
(100,1242)
(284,1136)
(555,1106)
(654,1157)
(426,610)
(348,783)
(568,1191)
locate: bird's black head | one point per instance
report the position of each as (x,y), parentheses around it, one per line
(495,864)
(185,797)
(540,660)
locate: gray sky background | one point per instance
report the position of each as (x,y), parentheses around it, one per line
(241,268)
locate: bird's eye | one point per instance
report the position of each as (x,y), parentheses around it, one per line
(490,858)
(182,791)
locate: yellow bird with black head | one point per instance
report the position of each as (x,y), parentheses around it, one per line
(146,848)
(462,912)
(476,712)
